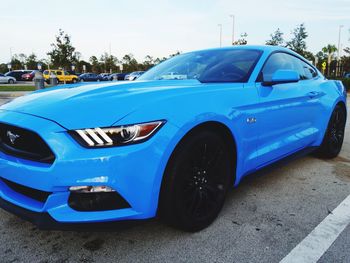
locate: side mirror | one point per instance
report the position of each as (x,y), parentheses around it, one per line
(282,76)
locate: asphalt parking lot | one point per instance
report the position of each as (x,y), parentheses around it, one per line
(262,221)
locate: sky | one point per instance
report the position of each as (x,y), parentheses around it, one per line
(160,28)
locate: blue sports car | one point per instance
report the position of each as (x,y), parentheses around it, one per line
(170,144)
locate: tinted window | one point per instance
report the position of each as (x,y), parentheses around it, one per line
(287,62)
(280,61)
(46,72)
(221,65)
(58,73)
(309,72)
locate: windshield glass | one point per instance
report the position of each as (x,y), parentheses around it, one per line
(223,65)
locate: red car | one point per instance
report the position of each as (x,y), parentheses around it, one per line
(29,76)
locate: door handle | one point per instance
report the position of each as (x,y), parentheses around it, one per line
(313,94)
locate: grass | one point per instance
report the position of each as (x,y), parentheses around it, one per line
(16,88)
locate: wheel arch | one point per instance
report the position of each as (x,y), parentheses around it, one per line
(211,125)
(217,127)
(342,104)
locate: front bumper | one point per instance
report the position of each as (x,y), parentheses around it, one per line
(45,222)
(134,171)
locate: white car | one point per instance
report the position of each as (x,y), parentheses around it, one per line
(7,79)
(134,75)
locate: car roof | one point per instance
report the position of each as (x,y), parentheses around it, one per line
(264,48)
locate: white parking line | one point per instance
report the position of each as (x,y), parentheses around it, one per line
(322,237)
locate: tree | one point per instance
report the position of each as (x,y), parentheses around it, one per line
(276,38)
(130,64)
(63,53)
(147,63)
(174,54)
(159,60)
(31,61)
(346,60)
(95,64)
(298,43)
(3,68)
(329,51)
(309,56)
(22,58)
(79,66)
(16,63)
(242,40)
(109,62)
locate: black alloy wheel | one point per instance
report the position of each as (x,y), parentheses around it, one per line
(196,181)
(334,137)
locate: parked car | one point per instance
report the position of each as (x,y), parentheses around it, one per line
(167,147)
(62,76)
(105,76)
(134,75)
(117,76)
(90,77)
(17,74)
(71,72)
(347,75)
(29,76)
(7,79)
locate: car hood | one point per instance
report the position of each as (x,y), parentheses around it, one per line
(98,104)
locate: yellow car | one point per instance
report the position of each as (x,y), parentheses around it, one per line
(62,76)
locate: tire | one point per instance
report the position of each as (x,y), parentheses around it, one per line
(334,136)
(82,80)
(74,80)
(11,81)
(196,181)
(98,80)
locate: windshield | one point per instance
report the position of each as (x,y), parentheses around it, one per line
(223,65)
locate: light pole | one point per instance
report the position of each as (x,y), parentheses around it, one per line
(340,27)
(233,28)
(338,58)
(220,25)
(10,53)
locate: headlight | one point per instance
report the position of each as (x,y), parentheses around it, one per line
(116,136)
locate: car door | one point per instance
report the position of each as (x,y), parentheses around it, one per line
(287,112)
(67,76)
(2,78)
(59,75)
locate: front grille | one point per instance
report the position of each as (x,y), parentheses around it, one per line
(38,195)
(25,144)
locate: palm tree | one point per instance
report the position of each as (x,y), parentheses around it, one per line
(329,50)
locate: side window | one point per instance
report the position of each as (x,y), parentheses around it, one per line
(58,73)
(46,72)
(275,62)
(309,71)
(282,61)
